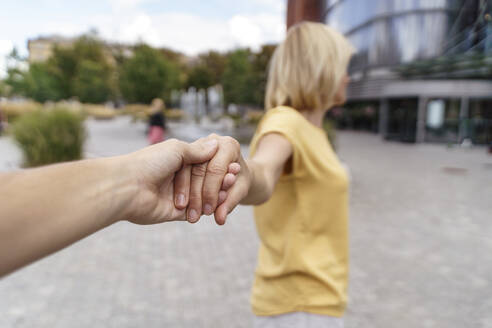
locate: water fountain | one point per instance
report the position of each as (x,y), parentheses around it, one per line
(199,121)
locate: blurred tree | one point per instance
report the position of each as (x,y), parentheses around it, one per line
(83,70)
(64,67)
(201,77)
(40,84)
(147,75)
(91,82)
(237,80)
(216,63)
(16,71)
(260,73)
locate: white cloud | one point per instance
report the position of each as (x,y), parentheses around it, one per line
(128,22)
(192,34)
(253,31)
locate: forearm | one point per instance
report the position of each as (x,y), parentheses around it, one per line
(43,210)
(262,184)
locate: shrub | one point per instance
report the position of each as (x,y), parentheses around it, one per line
(50,136)
(174,114)
(99,112)
(254,116)
(14,110)
(138,112)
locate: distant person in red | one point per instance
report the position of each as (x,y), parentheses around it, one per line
(157,122)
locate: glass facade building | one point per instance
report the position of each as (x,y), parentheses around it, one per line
(413,67)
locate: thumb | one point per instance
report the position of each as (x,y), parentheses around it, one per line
(199,151)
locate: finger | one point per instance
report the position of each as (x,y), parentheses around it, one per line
(199,151)
(196,184)
(234,168)
(228,181)
(182,187)
(234,196)
(216,170)
(222,197)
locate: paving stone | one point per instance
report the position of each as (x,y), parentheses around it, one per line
(420,239)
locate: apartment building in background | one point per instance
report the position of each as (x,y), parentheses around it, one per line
(422,71)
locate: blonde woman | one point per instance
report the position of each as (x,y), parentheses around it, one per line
(298,185)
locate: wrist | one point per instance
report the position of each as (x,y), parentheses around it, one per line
(122,187)
(250,176)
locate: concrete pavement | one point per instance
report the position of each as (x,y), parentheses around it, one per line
(421,239)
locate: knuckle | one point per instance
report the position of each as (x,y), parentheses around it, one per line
(215,169)
(195,197)
(233,142)
(209,197)
(172,141)
(199,170)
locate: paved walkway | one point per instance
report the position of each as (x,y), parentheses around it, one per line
(421,239)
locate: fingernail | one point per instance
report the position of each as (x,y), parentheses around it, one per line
(180,200)
(211,143)
(193,215)
(207,209)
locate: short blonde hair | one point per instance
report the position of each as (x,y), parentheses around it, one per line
(157,105)
(307,68)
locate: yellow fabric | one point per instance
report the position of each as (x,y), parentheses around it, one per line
(303,227)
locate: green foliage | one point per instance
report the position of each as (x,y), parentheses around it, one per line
(237,81)
(16,81)
(50,136)
(64,63)
(245,76)
(260,73)
(200,77)
(37,83)
(83,70)
(91,84)
(95,73)
(215,62)
(40,84)
(79,71)
(147,75)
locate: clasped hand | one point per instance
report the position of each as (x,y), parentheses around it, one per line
(180,181)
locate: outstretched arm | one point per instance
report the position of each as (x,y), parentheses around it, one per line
(43,210)
(256,181)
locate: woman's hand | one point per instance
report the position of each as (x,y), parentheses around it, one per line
(153,172)
(237,192)
(208,184)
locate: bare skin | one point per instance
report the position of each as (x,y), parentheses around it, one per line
(256,181)
(48,208)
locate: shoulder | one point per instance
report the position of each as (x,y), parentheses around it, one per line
(284,121)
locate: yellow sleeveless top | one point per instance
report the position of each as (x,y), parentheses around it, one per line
(303,228)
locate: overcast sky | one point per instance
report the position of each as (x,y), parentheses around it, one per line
(189,26)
